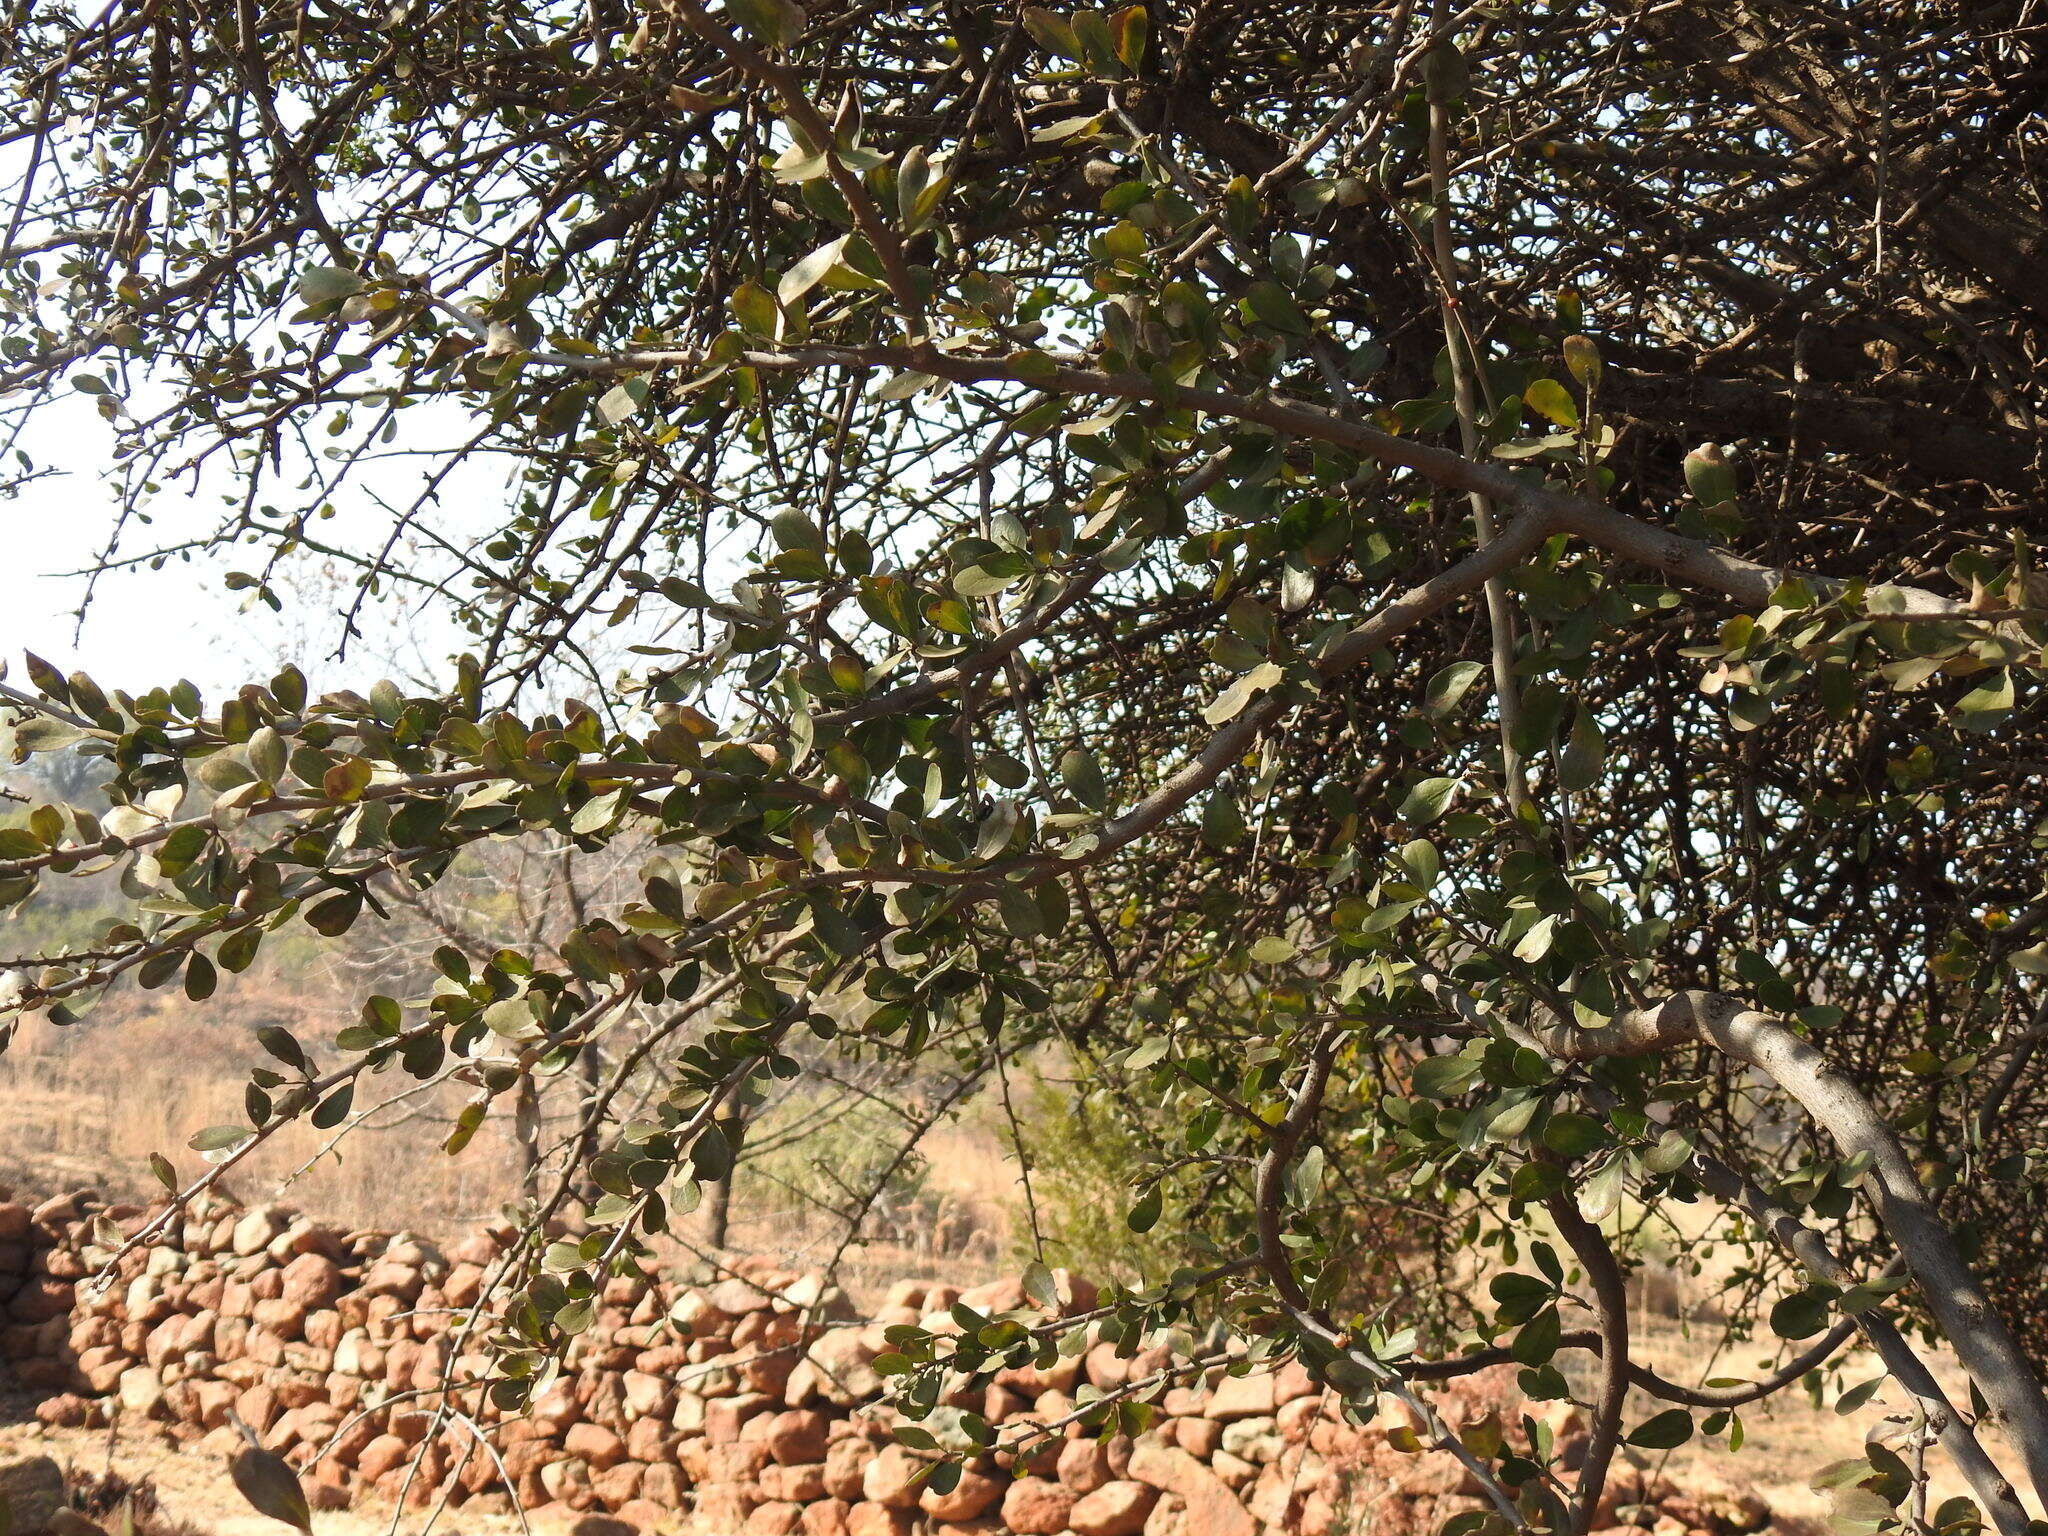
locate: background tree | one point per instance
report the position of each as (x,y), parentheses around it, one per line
(1445,595)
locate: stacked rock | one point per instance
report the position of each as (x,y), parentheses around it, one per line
(40,1267)
(747,1406)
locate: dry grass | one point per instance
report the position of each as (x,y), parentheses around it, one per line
(87,1105)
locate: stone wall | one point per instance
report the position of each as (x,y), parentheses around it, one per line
(746,1406)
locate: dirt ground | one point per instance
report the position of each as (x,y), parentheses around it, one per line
(193,1487)
(1787,1442)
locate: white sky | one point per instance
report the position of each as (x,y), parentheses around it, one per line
(148,627)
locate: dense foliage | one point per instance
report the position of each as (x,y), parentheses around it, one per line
(1445,598)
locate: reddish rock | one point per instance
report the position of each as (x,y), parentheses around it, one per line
(723,1510)
(797,1436)
(324,1330)
(464,1285)
(40,1298)
(312,1281)
(1115,1509)
(1037,1506)
(827,1517)
(67,1410)
(740,1462)
(1023,1448)
(594,1445)
(258,1408)
(1243,1397)
(649,1440)
(973,1496)
(1000,1402)
(380,1456)
(663,1484)
(1210,1508)
(299,1391)
(894,1478)
(1006,1295)
(725,1416)
(800,1484)
(1084,1465)
(1169,1517)
(769,1373)
(870,1519)
(283,1317)
(350,1444)
(846,1467)
(615,1485)
(1106,1368)
(102,1367)
(1297,1419)
(647,1396)
(777,1517)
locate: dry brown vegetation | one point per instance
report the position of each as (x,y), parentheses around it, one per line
(86,1106)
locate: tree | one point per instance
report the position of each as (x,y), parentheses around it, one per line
(1445,597)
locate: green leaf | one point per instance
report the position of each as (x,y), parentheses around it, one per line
(1269,303)
(333,1109)
(1427,801)
(1082,775)
(775,24)
(793,530)
(1443,1077)
(1223,824)
(1039,1286)
(1584,755)
(755,309)
(711,1153)
(328,285)
(1801,1314)
(1672,1152)
(1709,476)
(979,581)
(1666,1431)
(1600,1194)
(2032,961)
(1051,32)
(1856,1509)
(1535,942)
(271,1487)
(1449,686)
(1550,399)
(1228,704)
(1273,950)
(575,1317)
(1573,1136)
(1145,1214)
(1582,358)
(336,914)
(622,400)
(810,271)
(1538,1340)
